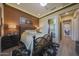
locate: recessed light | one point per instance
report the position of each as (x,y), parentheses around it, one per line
(39,14)
(66,13)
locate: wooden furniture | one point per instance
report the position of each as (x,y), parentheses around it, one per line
(41,43)
(44,45)
(9,41)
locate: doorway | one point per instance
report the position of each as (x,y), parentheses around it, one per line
(67,45)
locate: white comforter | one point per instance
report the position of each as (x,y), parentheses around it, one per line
(27,38)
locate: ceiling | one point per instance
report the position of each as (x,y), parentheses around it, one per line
(37,10)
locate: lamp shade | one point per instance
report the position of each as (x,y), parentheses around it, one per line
(12,26)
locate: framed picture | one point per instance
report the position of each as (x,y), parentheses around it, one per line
(24,20)
(67,28)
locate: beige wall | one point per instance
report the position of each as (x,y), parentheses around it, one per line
(43,21)
(44,26)
(75,24)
